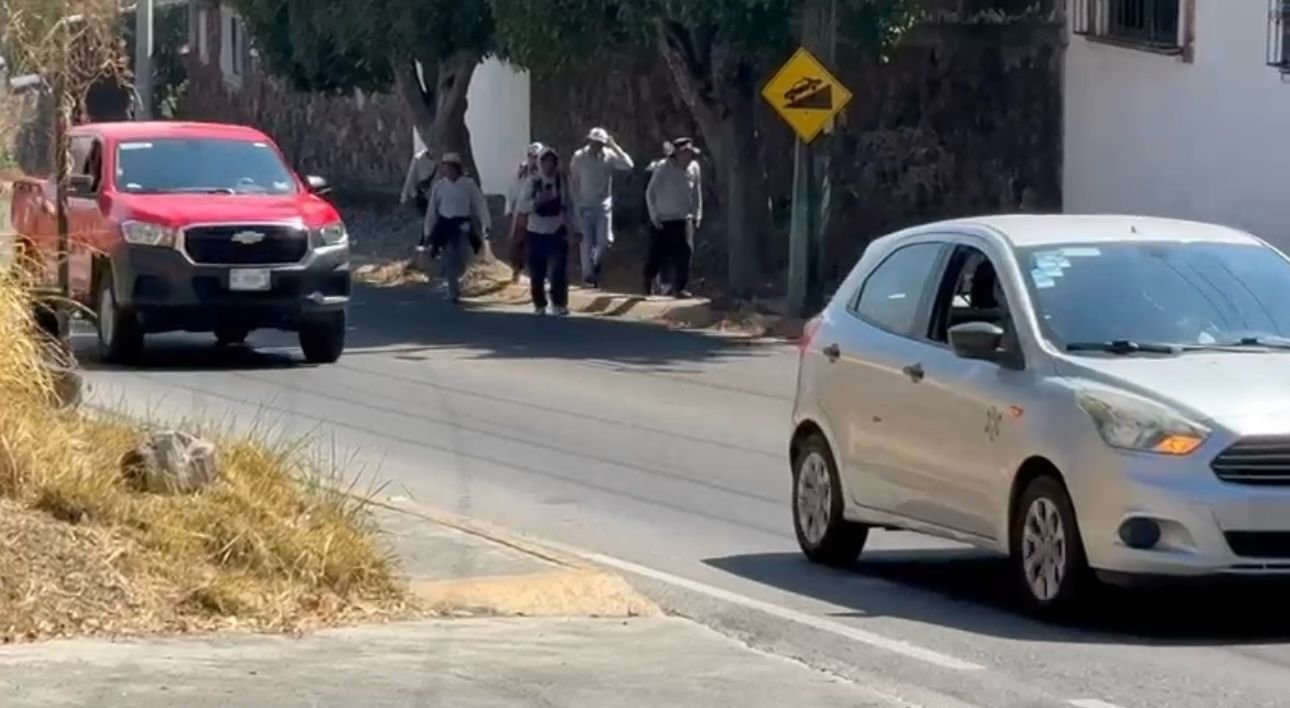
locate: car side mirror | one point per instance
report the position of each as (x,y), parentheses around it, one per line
(80,185)
(976,340)
(317,185)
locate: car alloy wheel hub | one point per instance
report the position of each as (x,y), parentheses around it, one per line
(1043,549)
(814,498)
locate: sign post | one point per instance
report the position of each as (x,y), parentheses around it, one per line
(807,97)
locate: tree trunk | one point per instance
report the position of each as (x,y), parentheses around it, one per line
(438,104)
(718,88)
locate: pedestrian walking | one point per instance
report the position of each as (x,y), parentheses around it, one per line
(658,283)
(527,169)
(416,185)
(546,208)
(454,199)
(674,199)
(591,170)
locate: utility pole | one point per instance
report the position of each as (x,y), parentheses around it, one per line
(143,12)
(62,170)
(810,177)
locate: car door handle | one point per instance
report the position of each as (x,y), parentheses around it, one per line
(831,352)
(914,372)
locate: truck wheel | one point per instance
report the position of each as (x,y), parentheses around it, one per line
(323,340)
(120,336)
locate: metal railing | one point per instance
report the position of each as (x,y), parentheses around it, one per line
(1278,34)
(1151,23)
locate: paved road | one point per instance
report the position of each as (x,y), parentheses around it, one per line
(667,450)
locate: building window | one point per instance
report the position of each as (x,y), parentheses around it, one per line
(1150,24)
(237,47)
(203,37)
(1279,34)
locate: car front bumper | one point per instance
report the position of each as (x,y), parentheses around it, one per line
(1208,527)
(168,292)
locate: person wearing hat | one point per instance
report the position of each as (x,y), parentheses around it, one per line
(527,169)
(546,210)
(454,199)
(674,199)
(591,171)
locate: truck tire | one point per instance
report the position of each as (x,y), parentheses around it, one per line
(322,340)
(120,338)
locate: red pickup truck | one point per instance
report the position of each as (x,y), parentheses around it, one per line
(192,227)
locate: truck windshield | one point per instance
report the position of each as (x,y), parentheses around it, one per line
(201,165)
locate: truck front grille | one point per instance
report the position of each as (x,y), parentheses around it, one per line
(1260,460)
(235,244)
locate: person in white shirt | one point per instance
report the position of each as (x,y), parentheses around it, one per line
(674,199)
(592,172)
(527,169)
(454,200)
(416,185)
(546,209)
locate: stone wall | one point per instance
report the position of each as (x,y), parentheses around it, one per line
(964,118)
(360,142)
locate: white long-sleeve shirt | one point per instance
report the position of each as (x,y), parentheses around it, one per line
(592,174)
(525,173)
(421,169)
(455,199)
(675,192)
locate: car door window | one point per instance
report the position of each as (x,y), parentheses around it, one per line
(970,291)
(891,295)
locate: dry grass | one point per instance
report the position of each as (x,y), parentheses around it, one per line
(269,547)
(484,277)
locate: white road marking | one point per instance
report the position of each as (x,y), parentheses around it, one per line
(859,635)
(1091,703)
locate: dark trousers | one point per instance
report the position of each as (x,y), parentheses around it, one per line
(548,257)
(669,252)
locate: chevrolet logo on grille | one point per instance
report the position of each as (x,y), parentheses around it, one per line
(248,238)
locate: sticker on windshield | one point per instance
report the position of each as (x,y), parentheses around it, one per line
(260,145)
(1082,252)
(1044,283)
(1045,273)
(134,146)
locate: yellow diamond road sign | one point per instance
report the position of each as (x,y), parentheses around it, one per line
(805,94)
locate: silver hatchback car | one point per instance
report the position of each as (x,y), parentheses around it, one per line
(1094,396)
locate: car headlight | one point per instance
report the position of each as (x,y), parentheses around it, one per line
(1132,423)
(333,234)
(143,233)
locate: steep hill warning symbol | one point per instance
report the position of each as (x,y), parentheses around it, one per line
(809,93)
(805,94)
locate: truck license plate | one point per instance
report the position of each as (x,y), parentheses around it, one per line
(244,279)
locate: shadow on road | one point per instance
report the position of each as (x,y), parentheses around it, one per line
(898,583)
(193,353)
(416,322)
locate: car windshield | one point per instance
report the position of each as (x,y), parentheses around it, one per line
(1159,293)
(201,165)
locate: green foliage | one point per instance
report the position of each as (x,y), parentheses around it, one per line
(550,34)
(344,44)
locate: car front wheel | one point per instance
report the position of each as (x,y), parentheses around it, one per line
(822,533)
(323,340)
(1047,551)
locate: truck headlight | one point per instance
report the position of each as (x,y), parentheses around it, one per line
(1132,423)
(333,234)
(143,233)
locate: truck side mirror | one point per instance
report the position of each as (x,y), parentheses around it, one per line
(80,185)
(317,185)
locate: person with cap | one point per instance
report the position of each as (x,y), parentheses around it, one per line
(591,171)
(454,200)
(416,185)
(674,200)
(546,210)
(527,169)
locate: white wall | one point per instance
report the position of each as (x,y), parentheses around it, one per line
(1210,140)
(498,118)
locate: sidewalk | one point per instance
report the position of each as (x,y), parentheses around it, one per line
(627,654)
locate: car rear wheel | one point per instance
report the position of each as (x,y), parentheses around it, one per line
(1047,551)
(120,337)
(323,340)
(822,533)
